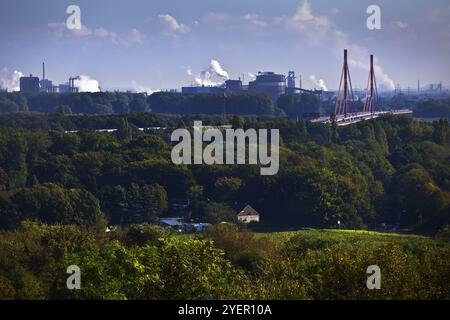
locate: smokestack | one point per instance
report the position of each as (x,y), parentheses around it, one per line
(418,86)
(43,77)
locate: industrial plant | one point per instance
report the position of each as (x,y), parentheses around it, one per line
(266,82)
(32,84)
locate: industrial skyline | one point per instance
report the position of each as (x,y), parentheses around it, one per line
(158,45)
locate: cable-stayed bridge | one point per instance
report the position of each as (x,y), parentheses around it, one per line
(345,99)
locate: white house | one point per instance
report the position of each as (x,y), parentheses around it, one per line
(248,214)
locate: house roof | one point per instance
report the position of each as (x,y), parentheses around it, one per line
(248,211)
(171,222)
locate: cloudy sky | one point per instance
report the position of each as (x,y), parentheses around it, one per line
(162,44)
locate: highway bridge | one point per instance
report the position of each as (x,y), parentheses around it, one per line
(345,100)
(352,118)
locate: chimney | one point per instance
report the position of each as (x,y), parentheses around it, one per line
(43,77)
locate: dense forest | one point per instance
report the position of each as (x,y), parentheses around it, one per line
(392,170)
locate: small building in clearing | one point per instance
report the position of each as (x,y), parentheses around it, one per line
(248,214)
(172,223)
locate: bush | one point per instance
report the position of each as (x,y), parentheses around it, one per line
(143,234)
(444,233)
(242,248)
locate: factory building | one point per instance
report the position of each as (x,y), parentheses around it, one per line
(270,83)
(290,87)
(266,82)
(29,84)
(47,86)
(234,85)
(64,88)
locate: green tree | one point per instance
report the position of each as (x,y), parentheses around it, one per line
(214,212)
(227,188)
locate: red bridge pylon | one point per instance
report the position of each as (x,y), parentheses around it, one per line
(371,103)
(345,94)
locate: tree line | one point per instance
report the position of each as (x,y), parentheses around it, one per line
(294,106)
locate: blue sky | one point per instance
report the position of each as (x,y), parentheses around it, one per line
(162,44)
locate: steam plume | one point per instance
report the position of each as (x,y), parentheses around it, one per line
(87,84)
(10,81)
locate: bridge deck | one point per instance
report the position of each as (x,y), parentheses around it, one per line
(357,117)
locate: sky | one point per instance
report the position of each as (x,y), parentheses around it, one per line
(149,45)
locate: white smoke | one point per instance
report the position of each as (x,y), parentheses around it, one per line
(386,82)
(143,89)
(87,84)
(214,75)
(215,65)
(10,81)
(318,82)
(359,58)
(252,76)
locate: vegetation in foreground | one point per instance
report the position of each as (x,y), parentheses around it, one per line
(146,262)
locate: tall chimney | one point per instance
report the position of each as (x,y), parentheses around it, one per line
(43,77)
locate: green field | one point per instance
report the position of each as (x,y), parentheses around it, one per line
(346,235)
(332,264)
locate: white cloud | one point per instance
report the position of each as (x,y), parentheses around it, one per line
(102,32)
(60,29)
(255,20)
(216,19)
(305,22)
(320,30)
(401,24)
(134,36)
(10,81)
(220,21)
(172,24)
(83,32)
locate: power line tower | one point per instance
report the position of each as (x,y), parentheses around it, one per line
(371,104)
(345,94)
